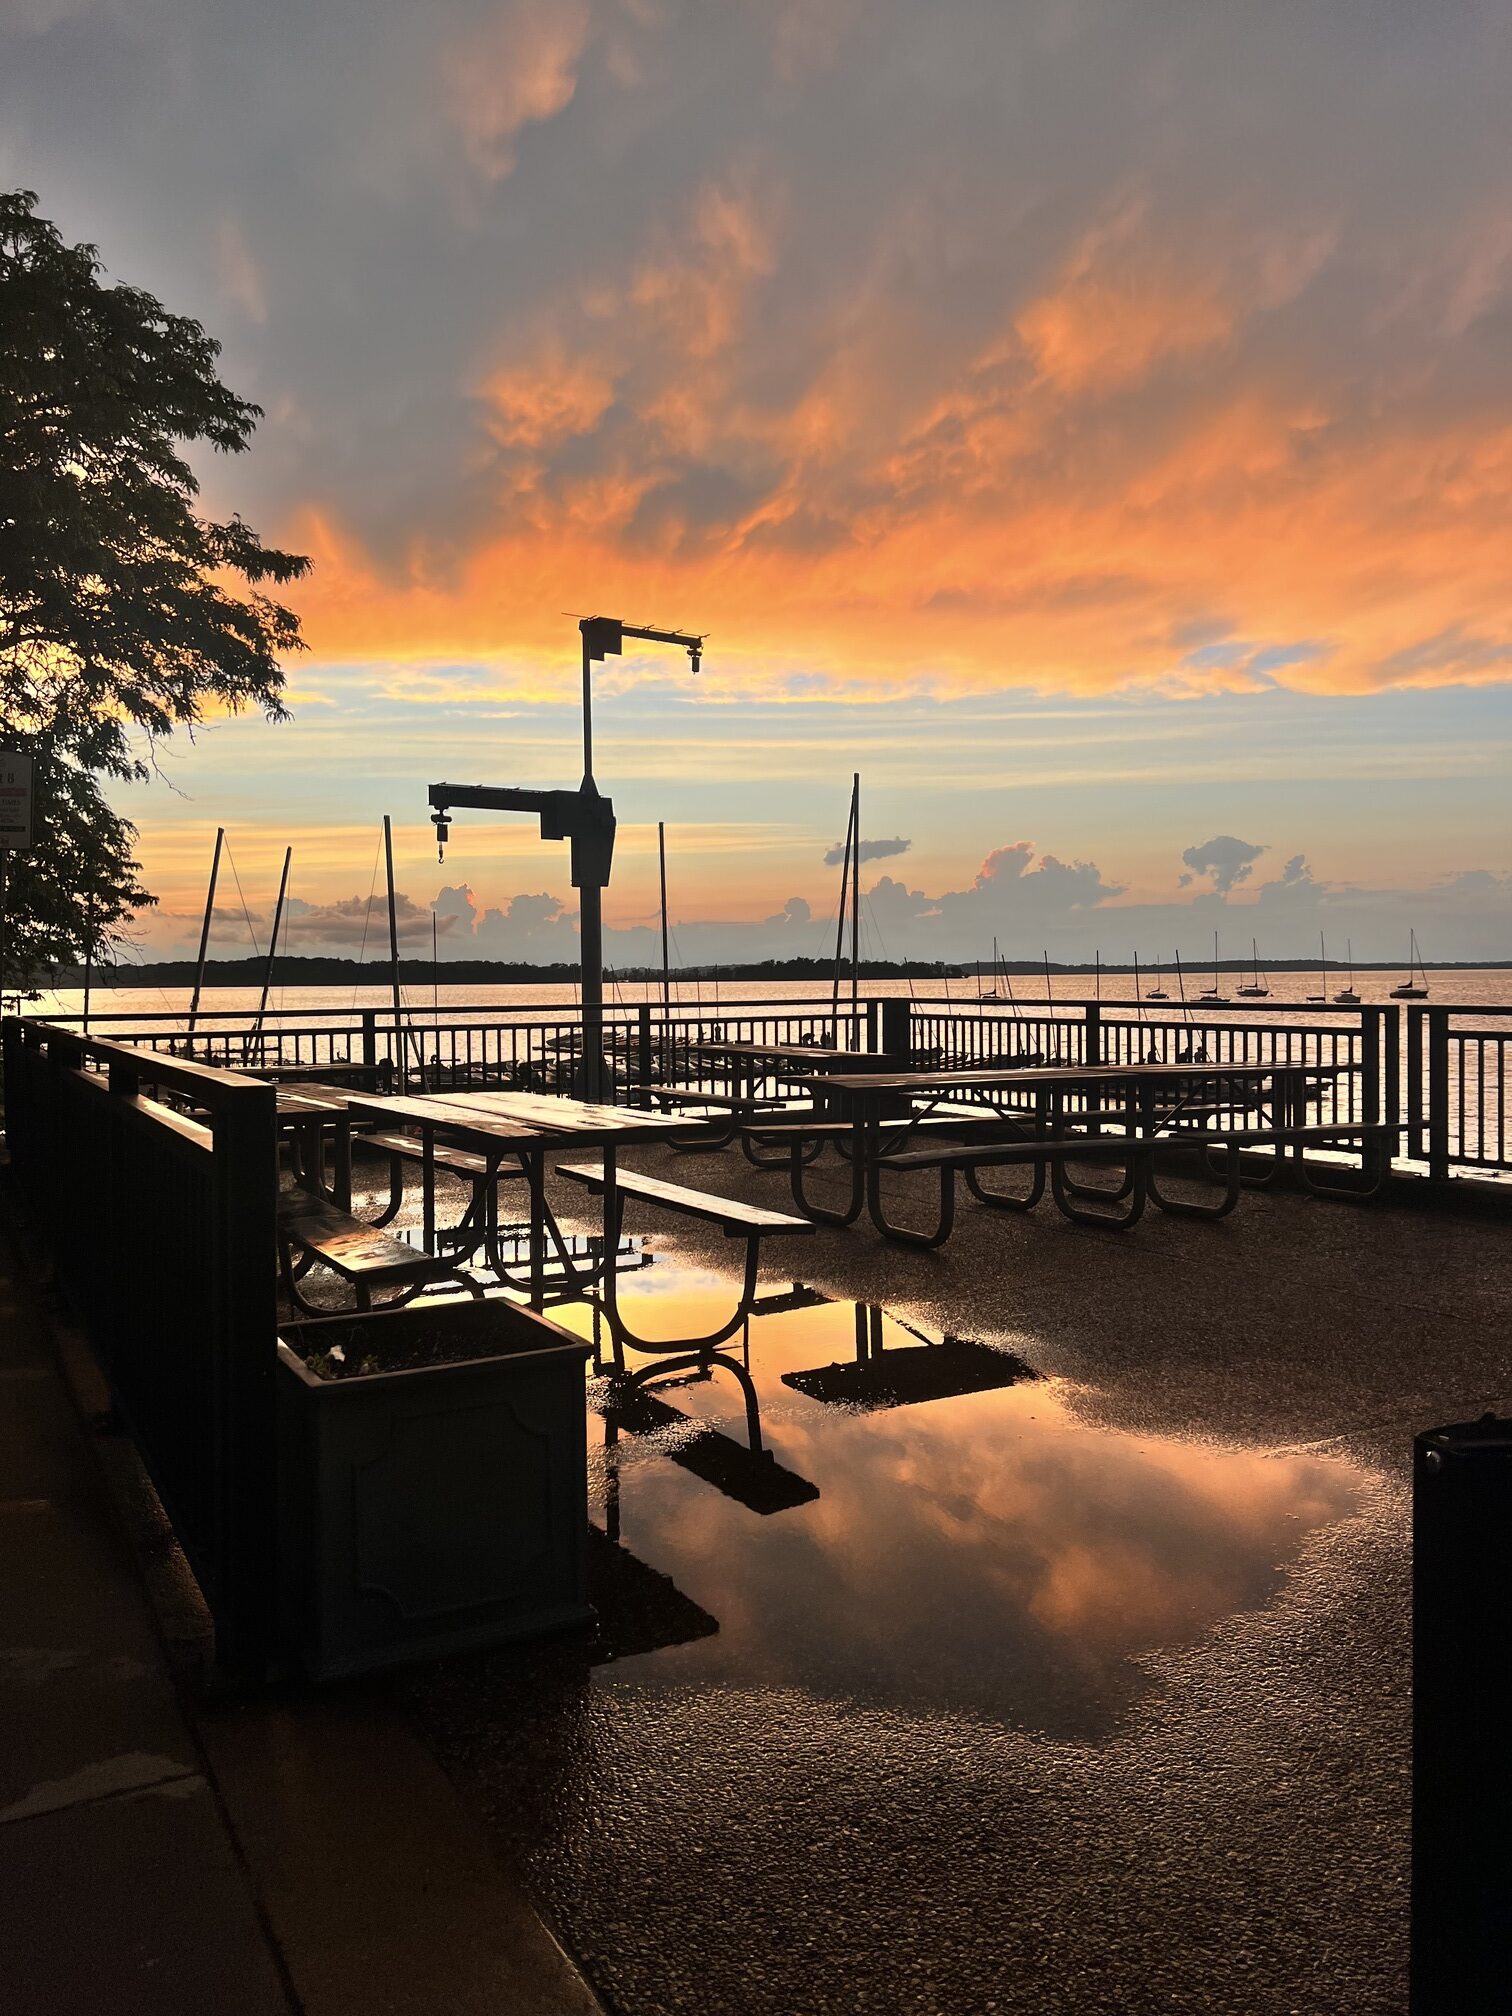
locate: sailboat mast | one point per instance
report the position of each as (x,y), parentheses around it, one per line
(204,944)
(278,909)
(401,1044)
(845,869)
(855,901)
(661,855)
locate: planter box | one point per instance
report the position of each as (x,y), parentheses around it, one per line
(437,1498)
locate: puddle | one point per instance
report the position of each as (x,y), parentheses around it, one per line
(927,1525)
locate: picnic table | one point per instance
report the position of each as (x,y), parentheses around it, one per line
(750,1064)
(304,1113)
(525,1127)
(1137,1101)
(328,1073)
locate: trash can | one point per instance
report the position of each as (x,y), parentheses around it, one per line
(1462,1719)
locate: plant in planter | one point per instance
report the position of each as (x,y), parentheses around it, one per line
(433,1482)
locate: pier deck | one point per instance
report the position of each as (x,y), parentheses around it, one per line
(1216,1822)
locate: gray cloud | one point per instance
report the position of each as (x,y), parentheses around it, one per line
(1027,901)
(1223,860)
(492,265)
(870,850)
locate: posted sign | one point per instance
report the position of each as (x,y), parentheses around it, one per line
(15,800)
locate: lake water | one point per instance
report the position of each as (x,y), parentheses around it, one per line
(1489,988)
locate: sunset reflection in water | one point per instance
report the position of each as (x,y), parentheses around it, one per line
(981,1551)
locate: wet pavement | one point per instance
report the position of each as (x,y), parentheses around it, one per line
(1057,1667)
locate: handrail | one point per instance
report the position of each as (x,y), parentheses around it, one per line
(207,1081)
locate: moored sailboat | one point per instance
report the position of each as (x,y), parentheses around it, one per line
(1212,994)
(1346,996)
(1255,988)
(1412,989)
(1322,993)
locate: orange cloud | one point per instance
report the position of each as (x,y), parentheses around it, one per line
(847,507)
(517,71)
(546,401)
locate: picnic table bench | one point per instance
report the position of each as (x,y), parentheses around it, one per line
(362,1255)
(736,1219)
(1039,1154)
(1375,1140)
(736,1105)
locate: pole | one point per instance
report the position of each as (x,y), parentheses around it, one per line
(587,718)
(401,1058)
(855,899)
(89,942)
(661,849)
(267,986)
(3,933)
(199,977)
(591,944)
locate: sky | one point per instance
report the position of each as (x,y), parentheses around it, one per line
(1089,422)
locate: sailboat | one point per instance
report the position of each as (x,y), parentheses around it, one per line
(1212,993)
(1412,989)
(991,993)
(1322,994)
(1346,996)
(1254,989)
(1157,992)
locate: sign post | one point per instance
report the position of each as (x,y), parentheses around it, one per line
(15,827)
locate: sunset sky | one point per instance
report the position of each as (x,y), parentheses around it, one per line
(1091,422)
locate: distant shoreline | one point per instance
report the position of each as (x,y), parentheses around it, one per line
(305,972)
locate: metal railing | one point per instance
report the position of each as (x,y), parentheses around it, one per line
(1441,1071)
(487,1044)
(161,1232)
(1457,1071)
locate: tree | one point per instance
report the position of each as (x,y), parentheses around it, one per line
(119,620)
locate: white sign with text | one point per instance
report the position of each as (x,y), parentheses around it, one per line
(15,800)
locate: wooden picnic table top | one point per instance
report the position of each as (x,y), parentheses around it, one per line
(397,1109)
(522,1118)
(308,1074)
(308,1102)
(780,1053)
(1068,1077)
(556,1112)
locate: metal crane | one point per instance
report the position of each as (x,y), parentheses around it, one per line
(584,818)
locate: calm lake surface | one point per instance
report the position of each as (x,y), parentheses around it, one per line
(1486,988)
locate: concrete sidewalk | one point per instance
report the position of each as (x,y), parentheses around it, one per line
(120,1887)
(165,1854)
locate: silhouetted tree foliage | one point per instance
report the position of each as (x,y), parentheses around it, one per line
(119,620)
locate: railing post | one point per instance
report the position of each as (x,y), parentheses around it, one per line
(1438,1094)
(1370,1064)
(874,1041)
(1392,1041)
(246,1326)
(894,1040)
(643,1048)
(1092,1036)
(370,1041)
(1417,1146)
